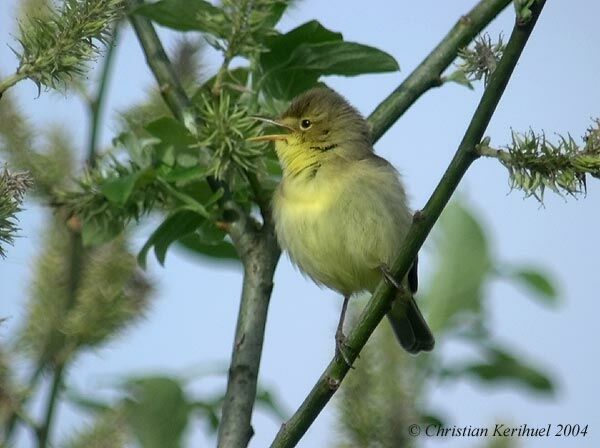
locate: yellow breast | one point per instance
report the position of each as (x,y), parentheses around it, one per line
(335,236)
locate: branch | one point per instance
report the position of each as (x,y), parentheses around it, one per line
(44,431)
(256,246)
(96,103)
(499,154)
(291,432)
(10,81)
(428,74)
(170,88)
(260,254)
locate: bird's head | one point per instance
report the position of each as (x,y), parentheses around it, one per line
(318,124)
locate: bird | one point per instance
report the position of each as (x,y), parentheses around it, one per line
(340,211)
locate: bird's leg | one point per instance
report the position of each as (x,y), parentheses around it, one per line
(389,278)
(340,338)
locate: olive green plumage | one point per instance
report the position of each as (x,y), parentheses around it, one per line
(340,211)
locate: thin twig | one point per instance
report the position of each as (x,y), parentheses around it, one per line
(44,431)
(486,151)
(428,74)
(291,432)
(170,88)
(10,81)
(95,104)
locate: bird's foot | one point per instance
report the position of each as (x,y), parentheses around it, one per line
(389,278)
(341,348)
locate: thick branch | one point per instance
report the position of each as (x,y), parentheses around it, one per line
(428,74)
(260,254)
(380,302)
(256,246)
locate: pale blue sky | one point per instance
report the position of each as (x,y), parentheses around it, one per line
(555,87)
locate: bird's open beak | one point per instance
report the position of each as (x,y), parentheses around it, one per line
(270,137)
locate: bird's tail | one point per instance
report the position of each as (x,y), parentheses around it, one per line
(410,327)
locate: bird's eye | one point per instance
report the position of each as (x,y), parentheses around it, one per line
(305,124)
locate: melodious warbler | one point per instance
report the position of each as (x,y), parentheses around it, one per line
(340,210)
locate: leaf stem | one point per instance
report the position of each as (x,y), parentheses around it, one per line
(291,431)
(428,74)
(486,151)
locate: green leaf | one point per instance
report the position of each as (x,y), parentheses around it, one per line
(224,250)
(340,58)
(537,283)
(173,228)
(175,142)
(462,265)
(185,15)
(308,33)
(157,411)
(119,189)
(170,132)
(277,10)
(184,175)
(209,241)
(188,201)
(502,366)
(296,60)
